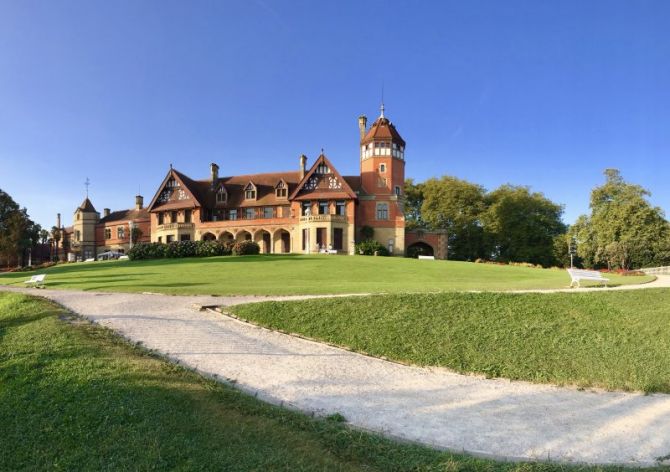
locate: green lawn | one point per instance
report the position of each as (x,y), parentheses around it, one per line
(295,274)
(616,340)
(74,396)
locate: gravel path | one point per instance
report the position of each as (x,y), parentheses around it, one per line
(496,418)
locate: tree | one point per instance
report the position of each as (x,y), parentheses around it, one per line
(135,234)
(413,202)
(522,226)
(44,236)
(623,230)
(456,206)
(17,231)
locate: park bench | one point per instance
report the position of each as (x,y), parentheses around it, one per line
(36,281)
(428,258)
(580,274)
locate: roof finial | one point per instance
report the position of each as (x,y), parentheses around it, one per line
(382,107)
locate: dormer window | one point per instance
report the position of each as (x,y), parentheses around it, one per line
(250,191)
(281,190)
(322,169)
(221,195)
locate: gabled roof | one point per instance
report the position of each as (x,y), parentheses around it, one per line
(382,128)
(185,182)
(344,191)
(131,214)
(86,206)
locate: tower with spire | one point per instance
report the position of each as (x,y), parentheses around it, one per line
(382,168)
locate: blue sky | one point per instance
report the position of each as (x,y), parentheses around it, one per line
(545,94)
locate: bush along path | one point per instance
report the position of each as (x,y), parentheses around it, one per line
(493,417)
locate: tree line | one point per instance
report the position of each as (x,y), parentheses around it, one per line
(514,224)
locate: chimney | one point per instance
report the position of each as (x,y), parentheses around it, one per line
(362,124)
(105,212)
(139,202)
(57,220)
(214,170)
(303,164)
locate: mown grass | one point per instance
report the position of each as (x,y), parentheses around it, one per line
(74,396)
(615,340)
(298,274)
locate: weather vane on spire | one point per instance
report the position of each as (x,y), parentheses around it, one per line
(86,184)
(382,107)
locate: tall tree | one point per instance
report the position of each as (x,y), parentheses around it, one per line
(17,230)
(623,230)
(522,225)
(413,202)
(456,206)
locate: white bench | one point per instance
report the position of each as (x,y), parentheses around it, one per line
(123,258)
(580,274)
(428,258)
(36,281)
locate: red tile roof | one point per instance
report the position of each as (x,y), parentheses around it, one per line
(126,215)
(382,129)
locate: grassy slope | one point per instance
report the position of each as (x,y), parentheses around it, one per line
(73,396)
(615,340)
(294,274)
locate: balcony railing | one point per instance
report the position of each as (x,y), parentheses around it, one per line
(169,226)
(324,219)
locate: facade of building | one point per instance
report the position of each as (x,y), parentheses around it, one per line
(309,210)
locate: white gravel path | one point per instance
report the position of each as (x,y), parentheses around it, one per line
(497,418)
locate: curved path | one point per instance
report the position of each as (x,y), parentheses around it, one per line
(497,418)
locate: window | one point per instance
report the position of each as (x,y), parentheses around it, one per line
(77,235)
(160,218)
(169,238)
(120,232)
(173,216)
(232,214)
(382,211)
(250,192)
(108,233)
(397,190)
(281,191)
(249,213)
(187,216)
(382,168)
(221,195)
(160,239)
(306,208)
(185,237)
(323,208)
(341,208)
(268,212)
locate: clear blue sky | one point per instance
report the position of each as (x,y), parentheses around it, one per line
(545,94)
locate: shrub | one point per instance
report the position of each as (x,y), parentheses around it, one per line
(370,246)
(212,248)
(146,251)
(181,249)
(367,232)
(246,248)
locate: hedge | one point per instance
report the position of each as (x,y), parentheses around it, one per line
(177,249)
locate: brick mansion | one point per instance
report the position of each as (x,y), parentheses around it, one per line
(309,210)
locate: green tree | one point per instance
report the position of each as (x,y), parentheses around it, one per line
(522,225)
(456,206)
(413,201)
(623,230)
(17,231)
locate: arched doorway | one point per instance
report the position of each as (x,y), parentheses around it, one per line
(420,249)
(282,241)
(226,236)
(208,237)
(243,236)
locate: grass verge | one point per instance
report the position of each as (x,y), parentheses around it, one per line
(614,340)
(74,396)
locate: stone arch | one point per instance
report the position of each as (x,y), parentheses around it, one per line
(226,236)
(264,239)
(243,235)
(208,236)
(281,241)
(420,248)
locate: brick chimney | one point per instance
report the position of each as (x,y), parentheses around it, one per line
(362,125)
(57,220)
(105,212)
(214,171)
(303,164)
(139,202)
